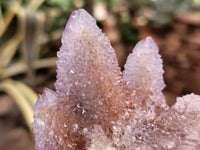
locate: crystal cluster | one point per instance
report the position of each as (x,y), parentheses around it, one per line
(97,107)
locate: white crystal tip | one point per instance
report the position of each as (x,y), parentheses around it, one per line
(78,20)
(147,42)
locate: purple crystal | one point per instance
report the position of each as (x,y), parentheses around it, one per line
(144,73)
(97,107)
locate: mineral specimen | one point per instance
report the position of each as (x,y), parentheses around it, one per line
(96,107)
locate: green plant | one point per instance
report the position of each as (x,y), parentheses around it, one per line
(24,43)
(24,97)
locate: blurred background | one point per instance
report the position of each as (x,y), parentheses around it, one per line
(30,34)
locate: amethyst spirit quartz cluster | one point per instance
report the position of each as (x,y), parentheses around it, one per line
(97,107)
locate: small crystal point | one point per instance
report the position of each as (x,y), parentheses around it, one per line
(147,42)
(144,71)
(77,22)
(48,98)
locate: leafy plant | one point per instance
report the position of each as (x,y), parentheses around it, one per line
(24,42)
(24,97)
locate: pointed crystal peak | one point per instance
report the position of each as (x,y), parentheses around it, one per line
(39,103)
(148,43)
(48,98)
(84,47)
(77,22)
(88,75)
(143,70)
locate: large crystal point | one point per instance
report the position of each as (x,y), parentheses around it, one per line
(94,107)
(85,47)
(89,83)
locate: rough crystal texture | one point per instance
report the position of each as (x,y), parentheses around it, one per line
(145,80)
(94,107)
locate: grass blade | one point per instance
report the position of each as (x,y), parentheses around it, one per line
(10,88)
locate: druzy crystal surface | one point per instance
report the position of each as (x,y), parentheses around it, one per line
(97,107)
